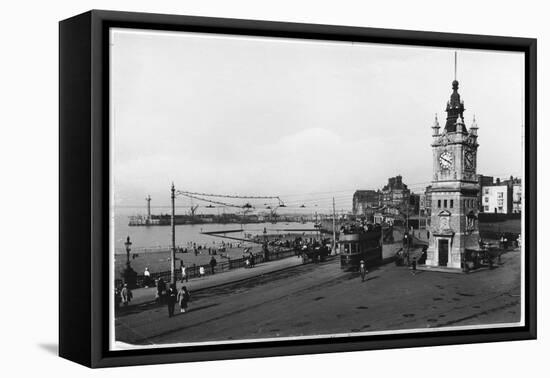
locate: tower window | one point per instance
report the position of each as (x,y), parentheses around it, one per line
(444,203)
(451,203)
(439,203)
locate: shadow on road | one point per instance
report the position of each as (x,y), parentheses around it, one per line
(193,309)
(125,311)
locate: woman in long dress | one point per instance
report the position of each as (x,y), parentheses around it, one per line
(183,298)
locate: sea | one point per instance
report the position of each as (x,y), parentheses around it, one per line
(159,237)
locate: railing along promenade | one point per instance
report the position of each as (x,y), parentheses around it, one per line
(192,271)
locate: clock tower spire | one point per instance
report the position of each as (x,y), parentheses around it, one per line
(454,226)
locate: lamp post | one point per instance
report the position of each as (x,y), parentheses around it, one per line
(265,247)
(128,244)
(173,226)
(129,275)
(333,227)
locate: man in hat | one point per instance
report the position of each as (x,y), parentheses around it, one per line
(362,270)
(126,295)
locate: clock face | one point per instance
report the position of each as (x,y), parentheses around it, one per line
(469,160)
(446,160)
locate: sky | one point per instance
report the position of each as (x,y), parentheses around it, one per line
(303,120)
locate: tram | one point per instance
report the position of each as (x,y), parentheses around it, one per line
(358,243)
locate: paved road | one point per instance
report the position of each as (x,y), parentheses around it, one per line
(321,299)
(143,296)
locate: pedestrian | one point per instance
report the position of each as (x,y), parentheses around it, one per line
(171,299)
(413,266)
(146,277)
(201,271)
(184,274)
(126,295)
(362,270)
(118,298)
(428,233)
(161,290)
(183,298)
(213,264)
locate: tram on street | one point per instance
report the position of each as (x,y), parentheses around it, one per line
(358,242)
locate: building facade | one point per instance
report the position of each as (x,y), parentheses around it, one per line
(517,195)
(501,197)
(455,188)
(395,193)
(365,202)
(425,206)
(483,181)
(497,199)
(515,192)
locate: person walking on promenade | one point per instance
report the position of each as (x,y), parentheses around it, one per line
(161,290)
(118,297)
(146,277)
(413,266)
(184,273)
(201,271)
(183,298)
(362,270)
(171,299)
(252,260)
(213,264)
(126,295)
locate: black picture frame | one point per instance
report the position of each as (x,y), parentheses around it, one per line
(84,187)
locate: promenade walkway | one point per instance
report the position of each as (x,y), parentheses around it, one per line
(146,295)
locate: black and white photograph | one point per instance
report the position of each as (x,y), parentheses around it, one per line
(270,188)
(274,188)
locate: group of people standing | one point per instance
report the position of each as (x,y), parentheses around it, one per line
(174,296)
(250,260)
(202,270)
(170,296)
(123,295)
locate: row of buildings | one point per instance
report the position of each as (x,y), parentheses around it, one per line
(500,196)
(396,201)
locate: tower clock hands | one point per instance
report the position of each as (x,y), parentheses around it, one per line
(446,160)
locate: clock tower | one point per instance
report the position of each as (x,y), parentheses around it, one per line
(455,188)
